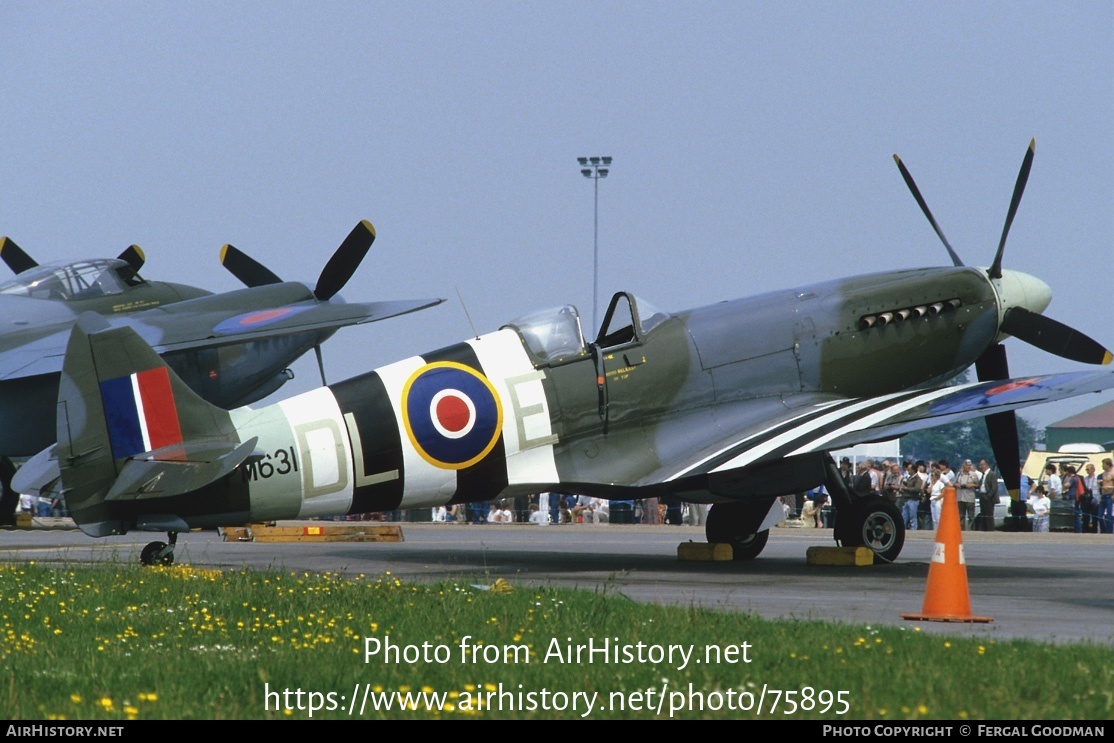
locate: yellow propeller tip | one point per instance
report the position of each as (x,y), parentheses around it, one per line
(224,251)
(1108,358)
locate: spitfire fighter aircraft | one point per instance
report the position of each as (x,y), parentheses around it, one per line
(232,348)
(732,404)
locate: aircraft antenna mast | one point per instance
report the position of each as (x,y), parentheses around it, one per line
(466,312)
(595,168)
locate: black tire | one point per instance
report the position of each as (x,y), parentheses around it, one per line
(750,547)
(152,554)
(875,523)
(721,528)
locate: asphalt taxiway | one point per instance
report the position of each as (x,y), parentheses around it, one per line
(1045,587)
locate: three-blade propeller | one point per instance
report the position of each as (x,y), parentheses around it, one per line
(1031,327)
(334,275)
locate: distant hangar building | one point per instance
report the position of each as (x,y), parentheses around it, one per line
(1094,426)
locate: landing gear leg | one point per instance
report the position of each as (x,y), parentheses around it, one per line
(160,553)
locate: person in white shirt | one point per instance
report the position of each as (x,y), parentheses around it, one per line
(538,516)
(946,472)
(1050,481)
(1041,506)
(499,514)
(600,511)
(936,496)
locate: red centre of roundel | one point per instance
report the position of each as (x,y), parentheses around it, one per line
(453,413)
(1009,386)
(262,316)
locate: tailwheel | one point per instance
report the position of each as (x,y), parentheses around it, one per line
(159,553)
(875,523)
(723,527)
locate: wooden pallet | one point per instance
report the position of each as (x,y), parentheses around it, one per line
(271,532)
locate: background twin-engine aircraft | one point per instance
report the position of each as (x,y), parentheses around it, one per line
(731,404)
(232,348)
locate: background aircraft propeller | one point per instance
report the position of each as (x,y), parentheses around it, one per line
(345,261)
(133,256)
(1030,327)
(18,260)
(334,275)
(14,256)
(248,270)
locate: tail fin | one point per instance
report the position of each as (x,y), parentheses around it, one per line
(130,433)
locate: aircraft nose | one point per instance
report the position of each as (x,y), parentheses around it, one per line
(1017,289)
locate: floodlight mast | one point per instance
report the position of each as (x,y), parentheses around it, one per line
(595,168)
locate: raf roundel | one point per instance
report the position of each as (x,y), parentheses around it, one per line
(451,414)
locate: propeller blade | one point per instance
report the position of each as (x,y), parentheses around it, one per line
(1053,336)
(1001,427)
(133,256)
(924,208)
(1018,189)
(14,256)
(345,260)
(248,270)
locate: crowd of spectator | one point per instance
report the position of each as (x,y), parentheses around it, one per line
(554,509)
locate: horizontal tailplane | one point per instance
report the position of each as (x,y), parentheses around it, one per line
(131,432)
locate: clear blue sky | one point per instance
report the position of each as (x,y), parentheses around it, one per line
(752,146)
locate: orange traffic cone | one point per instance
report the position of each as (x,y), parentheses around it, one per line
(946,598)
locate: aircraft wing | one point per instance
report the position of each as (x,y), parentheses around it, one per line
(41,356)
(806,424)
(207,322)
(226,327)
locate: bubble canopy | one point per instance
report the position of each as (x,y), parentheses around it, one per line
(555,334)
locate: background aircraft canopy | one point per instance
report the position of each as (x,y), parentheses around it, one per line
(73,281)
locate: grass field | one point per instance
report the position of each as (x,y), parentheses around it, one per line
(125,642)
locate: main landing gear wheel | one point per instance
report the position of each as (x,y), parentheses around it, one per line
(875,523)
(159,553)
(153,554)
(722,528)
